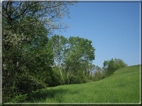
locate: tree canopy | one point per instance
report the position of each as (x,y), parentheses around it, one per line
(72,55)
(27,55)
(114,64)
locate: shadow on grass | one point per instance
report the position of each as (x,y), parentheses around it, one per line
(42,95)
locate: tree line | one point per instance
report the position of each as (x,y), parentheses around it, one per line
(109,67)
(33,59)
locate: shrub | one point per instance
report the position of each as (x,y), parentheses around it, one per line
(19,98)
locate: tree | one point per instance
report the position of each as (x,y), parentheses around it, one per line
(98,73)
(27,56)
(24,62)
(78,55)
(111,65)
(49,13)
(71,58)
(58,44)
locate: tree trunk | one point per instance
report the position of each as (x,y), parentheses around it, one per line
(61,75)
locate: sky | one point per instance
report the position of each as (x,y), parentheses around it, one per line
(113,28)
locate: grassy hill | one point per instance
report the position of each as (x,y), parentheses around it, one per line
(122,87)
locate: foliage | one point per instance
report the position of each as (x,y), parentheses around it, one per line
(58,44)
(78,56)
(111,65)
(19,98)
(27,55)
(72,60)
(57,79)
(97,76)
(49,13)
(98,73)
(108,68)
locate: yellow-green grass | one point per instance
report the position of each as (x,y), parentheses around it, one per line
(121,87)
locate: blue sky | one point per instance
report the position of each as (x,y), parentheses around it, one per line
(113,28)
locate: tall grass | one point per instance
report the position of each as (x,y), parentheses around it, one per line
(121,87)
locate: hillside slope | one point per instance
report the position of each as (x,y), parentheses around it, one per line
(122,87)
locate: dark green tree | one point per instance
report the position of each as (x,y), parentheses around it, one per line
(27,56)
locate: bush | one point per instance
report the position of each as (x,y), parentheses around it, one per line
(79,78)
(19,98)
(97,75)
(56,77)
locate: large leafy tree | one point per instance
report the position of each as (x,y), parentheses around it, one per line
(72,57)
(27,56)
(50,13)
(78,55)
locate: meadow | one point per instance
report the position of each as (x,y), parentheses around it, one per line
(121,87)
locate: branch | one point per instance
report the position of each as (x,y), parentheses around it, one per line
(35,57)
(17,7)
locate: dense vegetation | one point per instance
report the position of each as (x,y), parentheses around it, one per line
(27,55)
(109,66)
(34,58)
(122,87)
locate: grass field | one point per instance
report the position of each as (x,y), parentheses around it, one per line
(122,87)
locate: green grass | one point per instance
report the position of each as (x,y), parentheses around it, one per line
(122,87)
